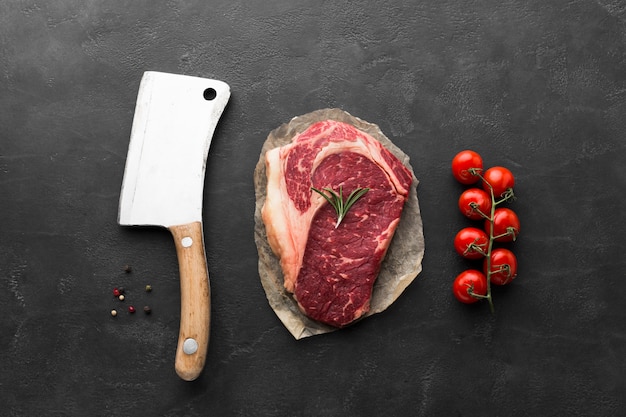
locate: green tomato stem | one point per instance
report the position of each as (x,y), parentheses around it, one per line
(491,239)
(510,231)
(506,196)
(477,209)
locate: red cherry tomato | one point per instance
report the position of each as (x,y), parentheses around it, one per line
(503,266)
(467,282)
(475,204)
(506,225)
(500,178)
(471,243)
(461,164)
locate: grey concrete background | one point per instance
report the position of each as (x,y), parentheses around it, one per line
(537,86)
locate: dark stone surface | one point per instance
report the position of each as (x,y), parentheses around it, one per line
(537,86)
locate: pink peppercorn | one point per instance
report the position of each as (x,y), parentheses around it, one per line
(131,309)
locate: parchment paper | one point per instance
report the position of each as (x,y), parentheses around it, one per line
(401,265)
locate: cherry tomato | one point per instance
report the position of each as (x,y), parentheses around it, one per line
(503,266)
(469,281)
(500,178)
(506,225)
(461,164)
(471,243)
(473,202)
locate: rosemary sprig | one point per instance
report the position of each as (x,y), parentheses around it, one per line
(336,200)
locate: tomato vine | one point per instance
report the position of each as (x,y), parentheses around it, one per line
(500,225)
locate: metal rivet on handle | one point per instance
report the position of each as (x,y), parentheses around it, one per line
(190,346)
(186,242)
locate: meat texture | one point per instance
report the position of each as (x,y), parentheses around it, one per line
(331,270)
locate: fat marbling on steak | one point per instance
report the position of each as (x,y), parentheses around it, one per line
(331,270)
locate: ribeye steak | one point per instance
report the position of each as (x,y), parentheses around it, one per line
(331,270)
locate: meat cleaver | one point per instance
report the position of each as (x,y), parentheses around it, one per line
(175,117)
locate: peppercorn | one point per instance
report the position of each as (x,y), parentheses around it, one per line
(122,290)
(127,269)
(147,310)
(131,309)
(116,292)
(121,297)
(113,313)
(148,288)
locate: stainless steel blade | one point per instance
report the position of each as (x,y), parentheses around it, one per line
(175,117)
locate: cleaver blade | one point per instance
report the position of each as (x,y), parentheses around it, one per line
(175,118)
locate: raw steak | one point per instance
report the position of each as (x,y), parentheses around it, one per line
(331,271)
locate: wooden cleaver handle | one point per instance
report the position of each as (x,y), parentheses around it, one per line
(195,304)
